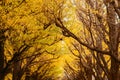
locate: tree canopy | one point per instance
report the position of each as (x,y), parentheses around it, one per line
(59,39)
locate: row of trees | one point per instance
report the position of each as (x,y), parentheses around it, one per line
(29,28)
(99,37)
(24,40)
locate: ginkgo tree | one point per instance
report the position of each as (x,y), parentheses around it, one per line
(24,39)
(37,37)
(100,33)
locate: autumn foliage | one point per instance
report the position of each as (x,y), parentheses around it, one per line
(59,40)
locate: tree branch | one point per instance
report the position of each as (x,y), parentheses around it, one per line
(60,25)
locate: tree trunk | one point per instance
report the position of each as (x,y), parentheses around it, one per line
(113,47)
(2,55)
(114,69)
(89,71)
(16,71)
(1,61)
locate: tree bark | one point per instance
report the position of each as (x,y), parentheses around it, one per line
(114,37)
(16,71)
(2,55)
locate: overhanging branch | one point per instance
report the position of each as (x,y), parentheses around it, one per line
(60,25)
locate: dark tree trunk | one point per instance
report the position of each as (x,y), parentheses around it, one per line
(114,37)
(114,51)
(2,74)
(1,60)
(17,71)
